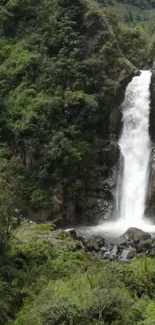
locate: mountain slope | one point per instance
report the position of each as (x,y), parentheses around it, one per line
(61,72)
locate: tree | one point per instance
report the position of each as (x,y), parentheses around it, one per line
(10,194)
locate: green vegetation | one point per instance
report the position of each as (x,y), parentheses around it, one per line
(58,82)
(62,75)
(63,70)
(48,281)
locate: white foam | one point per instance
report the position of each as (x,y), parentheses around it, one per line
(135,149)
(117,228)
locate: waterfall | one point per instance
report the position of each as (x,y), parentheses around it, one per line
(135,149)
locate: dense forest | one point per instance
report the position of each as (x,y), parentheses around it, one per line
(62,78)
(64,67)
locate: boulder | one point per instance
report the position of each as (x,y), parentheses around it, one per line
(122,241)
(152,253)
(103,250)
(110,252)
(114,253)
(128,253)
(145,244)
(94,243)
(106,255)
(136,235)
(72,233)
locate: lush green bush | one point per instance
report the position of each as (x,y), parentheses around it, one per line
(47,279)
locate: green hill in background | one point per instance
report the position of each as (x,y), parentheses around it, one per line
(132,12)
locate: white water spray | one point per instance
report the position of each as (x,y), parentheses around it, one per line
(135,149)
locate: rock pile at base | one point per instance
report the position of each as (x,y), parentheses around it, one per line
(134,242)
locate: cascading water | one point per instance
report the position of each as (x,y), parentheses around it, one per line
(135,150)
(135,147)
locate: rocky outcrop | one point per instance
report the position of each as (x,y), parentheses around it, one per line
(95,28)
(128,253)
(134,242)
(136,235)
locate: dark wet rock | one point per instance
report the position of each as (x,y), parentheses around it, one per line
(114,252)
(151,192)
(145,244)
(108,155)
(78,246)
(137,73)
(152,253)
(134,242)
(106,255)
(90,245)
(103,250)
(128,253)
(105,209)
(57,223)
(72,233)
(100,240)
(94,243)
(135,235)
(110,252)
(122,240)
(153,243)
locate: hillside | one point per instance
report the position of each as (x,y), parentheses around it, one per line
(62,79)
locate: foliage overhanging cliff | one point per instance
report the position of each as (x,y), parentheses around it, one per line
(63,71)
(64,66)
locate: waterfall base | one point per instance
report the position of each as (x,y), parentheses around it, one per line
(117,228)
